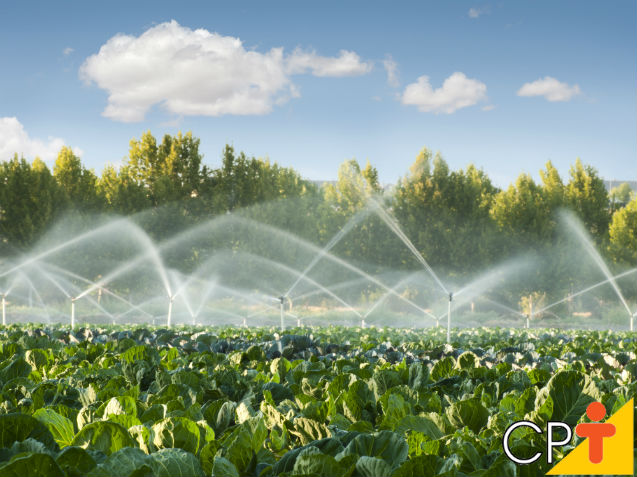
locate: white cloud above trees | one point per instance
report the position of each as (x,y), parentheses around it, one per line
(456,92)
(550,88)
(198,72)
(15,139)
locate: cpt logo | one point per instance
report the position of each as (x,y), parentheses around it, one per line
(606,450)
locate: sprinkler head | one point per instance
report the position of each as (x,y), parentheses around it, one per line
(282,299)
(450,296)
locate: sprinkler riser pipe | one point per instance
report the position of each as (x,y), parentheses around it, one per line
(449,319)
(4,311)
(72,314)
(170,313)
(282,322)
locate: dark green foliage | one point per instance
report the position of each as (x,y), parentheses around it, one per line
(438,410)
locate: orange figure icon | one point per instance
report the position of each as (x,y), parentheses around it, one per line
(595,431)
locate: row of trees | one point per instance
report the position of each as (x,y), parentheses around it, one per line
(458,220)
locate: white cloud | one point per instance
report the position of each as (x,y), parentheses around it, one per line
(488,107)
(196,72)
(391,67)
(347,64)
(456,92)
(550,88)
(14,139)
(67,51)
(476,12)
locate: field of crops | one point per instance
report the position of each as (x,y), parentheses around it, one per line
(320,402)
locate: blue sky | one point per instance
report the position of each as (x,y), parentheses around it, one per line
(504,85)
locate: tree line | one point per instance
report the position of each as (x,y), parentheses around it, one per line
(457,219)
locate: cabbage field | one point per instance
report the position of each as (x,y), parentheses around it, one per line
(309,402)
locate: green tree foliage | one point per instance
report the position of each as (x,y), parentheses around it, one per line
(78,183)
(521,209)
(29,200)
(623,234)
(457,219)
(586,195)
(446,212)
(243,181)
(121,192)
(552,187)
(169,171)
(620,196)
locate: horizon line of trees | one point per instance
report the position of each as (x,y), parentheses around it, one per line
(457,219)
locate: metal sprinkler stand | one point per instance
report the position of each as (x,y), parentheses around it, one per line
(73,312)
(363,323)
(170,312)
(4,310)
(449,318)
(282,300)
(530,315)
(632,320)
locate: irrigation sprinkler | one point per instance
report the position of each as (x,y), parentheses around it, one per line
(282,300)
(170,312)
(449,318)
(245,322)
(73,312)
(363,323)
(632,320)
(4,310)
(298,322)
(530,315)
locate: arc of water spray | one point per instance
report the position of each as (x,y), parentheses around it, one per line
(151,252)
(504,307)
(351,223)
(61,246)
(275,231)
(394,289)
(37,294)
(72,298)
(393,225)
(590,248)
(586,290)
(91,283)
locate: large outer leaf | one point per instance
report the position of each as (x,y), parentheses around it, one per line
(175,463)
(178,432)
(571,392)
(104,436)
(222,467)
(443,368)
(125,462)
(308,430)
(33,465)
(387,445)
(420,424)
(18,427)
(312,461)
(372,467)
(118,405)
(470,413)
(75,461)
(61,427)
(419,466)
(17,368)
